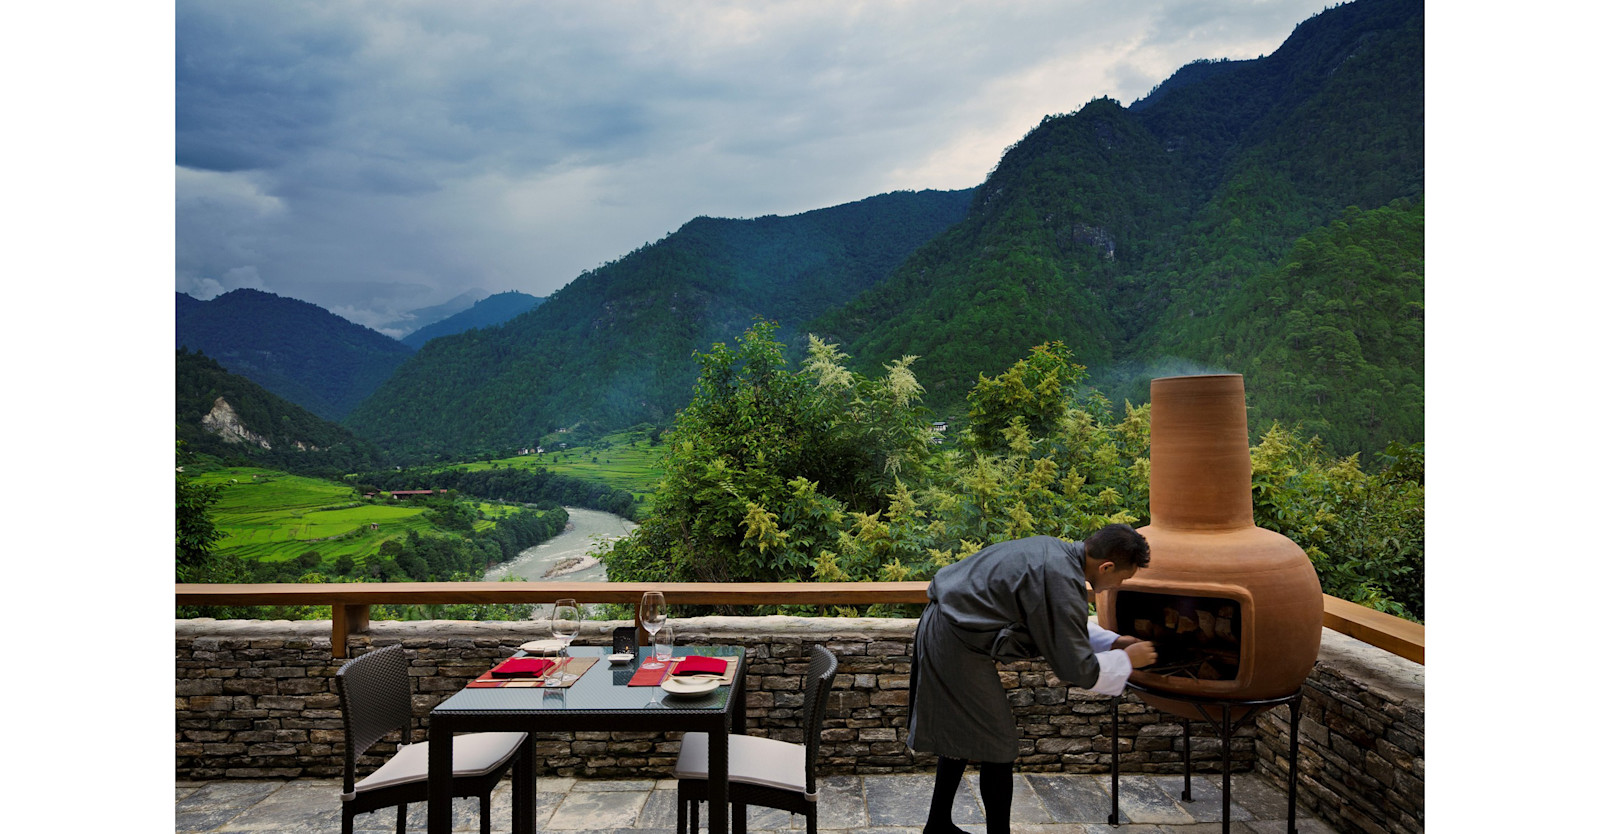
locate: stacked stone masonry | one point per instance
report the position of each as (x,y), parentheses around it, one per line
(256,699)
(1361,739)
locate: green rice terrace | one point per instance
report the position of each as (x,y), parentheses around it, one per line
(628,460)
(271,516)
(292,524)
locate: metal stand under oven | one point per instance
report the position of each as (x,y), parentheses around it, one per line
(1233,713)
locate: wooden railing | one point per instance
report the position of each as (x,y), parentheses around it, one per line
(352,602)
(1386,631)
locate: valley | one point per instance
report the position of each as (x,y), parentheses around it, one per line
(306,525)
(1263,217)
(629,460)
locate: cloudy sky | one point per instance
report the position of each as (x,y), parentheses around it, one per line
(374,158)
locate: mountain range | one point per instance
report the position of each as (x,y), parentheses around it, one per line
(615,347)
(312,357)
(486,312)
(1259,216)
(230,417)
(411,321)
(293,348)
(1127,232)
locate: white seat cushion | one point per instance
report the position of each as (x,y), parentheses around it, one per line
(474,753)
(752,760)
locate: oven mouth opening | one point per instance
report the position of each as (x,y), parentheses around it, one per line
(1196,638)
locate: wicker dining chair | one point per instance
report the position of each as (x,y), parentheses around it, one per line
(763,771)
(375,698)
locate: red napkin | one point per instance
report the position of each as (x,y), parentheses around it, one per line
(698,665)
(522,667)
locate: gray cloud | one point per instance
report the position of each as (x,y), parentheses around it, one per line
(381,157)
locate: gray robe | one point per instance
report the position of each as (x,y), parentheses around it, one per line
(1010,601)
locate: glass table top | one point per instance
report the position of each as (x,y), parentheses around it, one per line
(603,688)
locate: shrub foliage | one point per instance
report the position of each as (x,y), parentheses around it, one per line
(823,474)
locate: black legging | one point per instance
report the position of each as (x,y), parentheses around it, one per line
(994,785)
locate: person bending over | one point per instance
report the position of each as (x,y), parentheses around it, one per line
(1012,601)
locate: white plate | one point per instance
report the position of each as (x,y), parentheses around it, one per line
(620,657)
(693,687)
(550,646)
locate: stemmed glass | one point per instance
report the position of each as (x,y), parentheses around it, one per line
(661,652)
(652,615)
(565,620)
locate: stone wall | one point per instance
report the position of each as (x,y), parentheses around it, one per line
(1361,740)
(255,699)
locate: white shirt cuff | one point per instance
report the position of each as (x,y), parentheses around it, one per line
(1114,670)
(1100,640)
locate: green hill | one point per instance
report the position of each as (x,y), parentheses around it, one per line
(1075,206)
(1152,239)
(1147,237)
(495,310)
(228,416)
(294,349)
(615,346)
(1331,339)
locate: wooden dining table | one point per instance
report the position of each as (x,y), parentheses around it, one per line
(601,700)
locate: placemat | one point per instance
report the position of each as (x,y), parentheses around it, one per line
(575,665)
(653,677)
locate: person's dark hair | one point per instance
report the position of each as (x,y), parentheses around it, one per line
(1121,544)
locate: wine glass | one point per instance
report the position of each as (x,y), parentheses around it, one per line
(565,620)
(661,652)
(652,615)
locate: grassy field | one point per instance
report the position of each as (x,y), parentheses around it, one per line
(624,460)
(491,513)
(273,516)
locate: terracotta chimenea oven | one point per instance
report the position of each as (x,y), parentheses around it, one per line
(1235,611)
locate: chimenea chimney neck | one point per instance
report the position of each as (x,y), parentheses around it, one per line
(1234,609)
(1199,454)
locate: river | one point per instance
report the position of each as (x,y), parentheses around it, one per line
(586,530)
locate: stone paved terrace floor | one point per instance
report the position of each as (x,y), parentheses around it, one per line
(891,804)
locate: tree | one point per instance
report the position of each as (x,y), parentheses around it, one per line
(196,532)
(825,475)
(1031,395)
(1363,532)
(757,443)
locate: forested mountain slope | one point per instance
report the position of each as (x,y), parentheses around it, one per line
(294,349)
(496,309)
(1079,203)
(1152,239)
(232,418)
(1331,339)
(615,346)
(414,320)
(1140,236)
